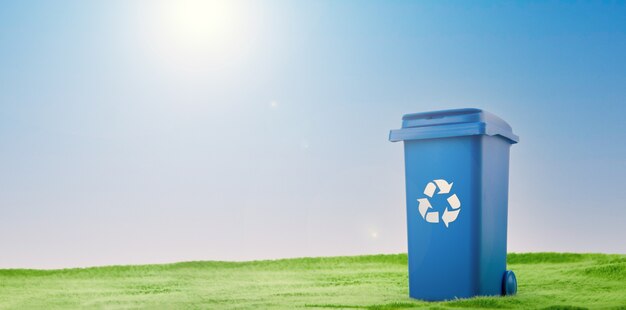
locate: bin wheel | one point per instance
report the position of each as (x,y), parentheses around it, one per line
(509,283)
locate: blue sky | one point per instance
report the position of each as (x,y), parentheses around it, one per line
(144,132)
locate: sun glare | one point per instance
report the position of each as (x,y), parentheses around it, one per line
(200,23)
(195,32)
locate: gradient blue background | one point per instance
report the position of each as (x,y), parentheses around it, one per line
(120,142)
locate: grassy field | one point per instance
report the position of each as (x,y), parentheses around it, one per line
(546,280)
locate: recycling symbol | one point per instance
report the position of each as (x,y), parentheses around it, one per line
(449,215)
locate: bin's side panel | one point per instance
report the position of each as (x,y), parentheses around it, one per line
(493,229)
(443,261)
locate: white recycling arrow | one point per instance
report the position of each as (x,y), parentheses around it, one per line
(433,217)
(444,186)
(430,189)
(454,201)
(449,216)
(450,213)
(423,206)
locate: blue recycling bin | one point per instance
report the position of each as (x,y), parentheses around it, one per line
(457,176)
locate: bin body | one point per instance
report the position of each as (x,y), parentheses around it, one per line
(456,169)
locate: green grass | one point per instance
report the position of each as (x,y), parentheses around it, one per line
(546,281)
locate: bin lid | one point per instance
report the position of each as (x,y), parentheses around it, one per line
(452,123)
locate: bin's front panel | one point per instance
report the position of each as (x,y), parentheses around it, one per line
(443,197)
